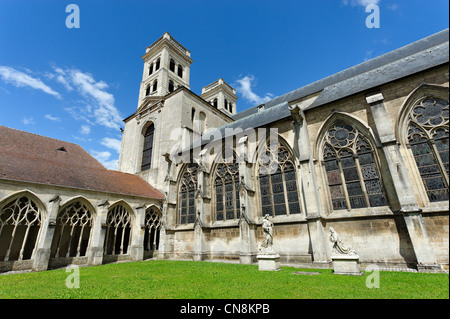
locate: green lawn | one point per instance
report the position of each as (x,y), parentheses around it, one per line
(198,280)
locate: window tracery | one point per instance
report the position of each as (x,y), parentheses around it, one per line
(20,222)
(118,231)
(352,172)
(427,136)
(187,194)
(227,191)
(278,182)
(152,228)
(73,227)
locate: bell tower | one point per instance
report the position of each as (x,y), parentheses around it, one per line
(166,67)
(221,96)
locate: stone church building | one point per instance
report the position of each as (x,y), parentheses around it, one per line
(364,151)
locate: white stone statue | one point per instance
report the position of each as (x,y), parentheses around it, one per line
(266,246)
(338,245)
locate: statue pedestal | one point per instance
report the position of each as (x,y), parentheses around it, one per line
(269,262)
(346,264)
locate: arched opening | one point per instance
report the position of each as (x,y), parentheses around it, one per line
(72,232)
(152,232)
(118,231)
(226,185)
(150,69)
(351,169)
(215,103)
(180,71)
(157,64)
(172,65)
(155,85)
(186,197)
(20,222)
(171,86)
(148,148)
(278,181)
(428,140)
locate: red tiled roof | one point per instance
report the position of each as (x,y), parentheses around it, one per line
(33,158)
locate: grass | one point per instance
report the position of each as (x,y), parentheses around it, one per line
(163,279)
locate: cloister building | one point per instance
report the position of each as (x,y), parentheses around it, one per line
(364,151)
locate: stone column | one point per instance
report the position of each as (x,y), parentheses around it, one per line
(247,224)
(43,247)
(167,239)
(309,186)
(95,250)
(404,192)
(200,244)
(138,233)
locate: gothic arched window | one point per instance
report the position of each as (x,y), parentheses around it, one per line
(227,191)
(428,135)
(152,227)
(278,182)
(118,231)
(20,221)
(352,172)
(73,227)
(148,148)
(187,193)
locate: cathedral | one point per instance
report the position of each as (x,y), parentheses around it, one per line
(364,152)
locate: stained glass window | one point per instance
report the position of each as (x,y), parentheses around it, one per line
(352,172)
(227,191)
(428,135)
(187,194)
(277,182)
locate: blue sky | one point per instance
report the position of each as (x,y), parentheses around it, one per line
(78,84)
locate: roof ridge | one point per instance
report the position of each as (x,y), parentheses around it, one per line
(360,68)
(43,136)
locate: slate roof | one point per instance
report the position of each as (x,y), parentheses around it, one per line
(33,158)
(415,57)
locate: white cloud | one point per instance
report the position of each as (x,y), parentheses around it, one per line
(28,121)
(111,143)
(104,159)
(52,118)
(85,129)
(363,3)
(244,87)
(20,79)
(99,105)
(392,6)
